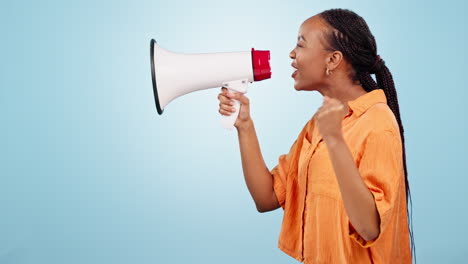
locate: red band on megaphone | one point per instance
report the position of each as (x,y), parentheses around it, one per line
(261,64)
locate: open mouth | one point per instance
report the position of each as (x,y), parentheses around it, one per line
(294,74)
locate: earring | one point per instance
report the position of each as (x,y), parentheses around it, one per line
(328,71)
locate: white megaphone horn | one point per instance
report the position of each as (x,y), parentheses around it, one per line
(176,74)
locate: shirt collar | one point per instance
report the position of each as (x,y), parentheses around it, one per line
(365,101)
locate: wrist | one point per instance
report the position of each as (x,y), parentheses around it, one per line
(334,140)
(246,125)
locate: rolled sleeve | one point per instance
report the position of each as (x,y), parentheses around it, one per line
(381,168)
(279,174)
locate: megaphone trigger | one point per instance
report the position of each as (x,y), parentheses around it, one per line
(237,85)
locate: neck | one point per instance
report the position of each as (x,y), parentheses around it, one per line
(343,92)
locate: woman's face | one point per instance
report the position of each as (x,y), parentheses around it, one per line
(309,56)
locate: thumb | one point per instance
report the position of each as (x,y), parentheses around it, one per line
(242,98)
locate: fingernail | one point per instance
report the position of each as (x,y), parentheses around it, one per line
(231,103)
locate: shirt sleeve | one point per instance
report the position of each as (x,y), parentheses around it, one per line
(381,168)
(285,164)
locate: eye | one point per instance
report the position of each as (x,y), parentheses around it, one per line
(299,46)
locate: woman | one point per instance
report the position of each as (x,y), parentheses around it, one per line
(343,185)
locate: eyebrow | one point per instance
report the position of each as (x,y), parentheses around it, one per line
(301,37)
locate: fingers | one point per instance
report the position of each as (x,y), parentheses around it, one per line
(235,95)
(226,104)
(224,112)
(226,96)
(331,108)
(226,99)
(336,107)
(223,99)
(226,109)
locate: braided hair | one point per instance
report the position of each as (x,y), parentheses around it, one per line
(350,34)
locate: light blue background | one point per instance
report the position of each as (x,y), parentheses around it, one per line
(91,174)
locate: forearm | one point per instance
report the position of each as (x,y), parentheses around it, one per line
(358,200)
(257,176)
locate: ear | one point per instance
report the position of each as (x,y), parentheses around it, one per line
(334,59)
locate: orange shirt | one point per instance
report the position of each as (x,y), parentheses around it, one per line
(316,228)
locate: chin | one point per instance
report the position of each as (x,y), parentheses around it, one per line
(305,87)
(299,87)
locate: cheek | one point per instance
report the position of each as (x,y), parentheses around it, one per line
(311,68)
(309,63)
(311,73)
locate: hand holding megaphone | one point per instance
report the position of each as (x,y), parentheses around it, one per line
(175,74)
(227,106)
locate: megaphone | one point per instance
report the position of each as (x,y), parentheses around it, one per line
(176,74)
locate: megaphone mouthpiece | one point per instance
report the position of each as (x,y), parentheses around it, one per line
(261,64)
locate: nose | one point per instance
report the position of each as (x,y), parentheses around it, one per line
(292,54)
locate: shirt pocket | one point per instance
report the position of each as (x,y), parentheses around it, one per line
(322,178)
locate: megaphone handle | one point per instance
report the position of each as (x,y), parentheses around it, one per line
(228,121)
(234,86)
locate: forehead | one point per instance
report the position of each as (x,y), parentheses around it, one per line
(312,29)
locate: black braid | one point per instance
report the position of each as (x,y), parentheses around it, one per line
(350,34)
